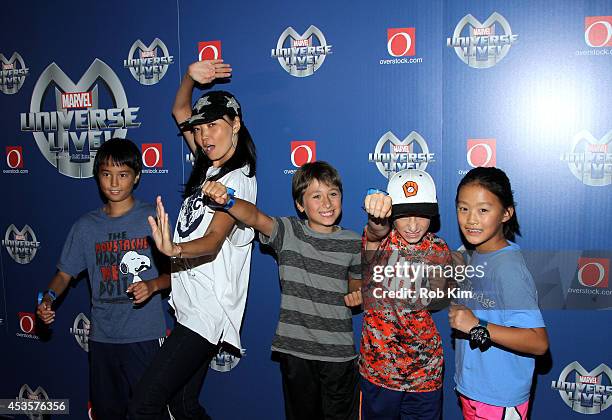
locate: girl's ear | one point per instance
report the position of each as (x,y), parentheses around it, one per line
(236,124)
(508,213)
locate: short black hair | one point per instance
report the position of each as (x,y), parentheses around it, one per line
(321,171)
(119,152)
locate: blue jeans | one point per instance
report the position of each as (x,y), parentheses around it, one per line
(380,403)
(175,377)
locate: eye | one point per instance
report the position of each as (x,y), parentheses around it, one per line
(483,210)
(461,209)
(334,194)
(195,129)
(211,124)
(123,175)
(316,196)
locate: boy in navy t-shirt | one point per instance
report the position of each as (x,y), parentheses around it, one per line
(112,244)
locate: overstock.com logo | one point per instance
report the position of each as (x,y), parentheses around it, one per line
(583,391)
(483,45)
(302,152)
(589,159)
(209,50)
(14,161)
(301,55)
(152,158)
(401,42)
(392,155)
(481,153)
(27,325)
(598,31)
(593,272)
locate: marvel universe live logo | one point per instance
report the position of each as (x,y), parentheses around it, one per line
(485,44)
(590,392)
(148,67)
(301,57)
(589,159)
(12,73)
(402,153)
(21,245)
(61,128)
(69,135)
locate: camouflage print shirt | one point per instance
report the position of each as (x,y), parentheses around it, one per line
(401,348)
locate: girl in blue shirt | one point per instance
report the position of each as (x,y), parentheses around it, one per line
(500,327)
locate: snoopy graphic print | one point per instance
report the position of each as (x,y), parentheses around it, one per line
(121,262)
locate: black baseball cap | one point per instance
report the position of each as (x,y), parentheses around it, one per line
(212,106)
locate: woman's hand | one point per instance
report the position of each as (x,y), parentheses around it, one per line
(206,71)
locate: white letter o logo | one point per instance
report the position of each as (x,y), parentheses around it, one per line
(408,44)
(600,269)
(308,159)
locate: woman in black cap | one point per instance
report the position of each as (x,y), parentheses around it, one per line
(211,254)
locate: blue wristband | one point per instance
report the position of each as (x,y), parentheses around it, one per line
(231,201)
(49,292)
(376,191)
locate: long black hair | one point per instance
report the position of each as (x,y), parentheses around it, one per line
(245,154)
(495,181)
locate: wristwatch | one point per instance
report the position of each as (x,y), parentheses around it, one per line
(479,336)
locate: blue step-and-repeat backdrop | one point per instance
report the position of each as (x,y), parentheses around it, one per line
(371,87)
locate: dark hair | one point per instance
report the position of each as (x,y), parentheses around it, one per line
(119,152)
(321,171)
(245,154)
(495,181)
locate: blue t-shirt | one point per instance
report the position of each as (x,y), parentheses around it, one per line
(116,252)
(505,295)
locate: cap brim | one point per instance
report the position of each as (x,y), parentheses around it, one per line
(198,119)
(414,209)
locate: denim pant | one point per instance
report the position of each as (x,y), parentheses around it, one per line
(114,371)
(175,377)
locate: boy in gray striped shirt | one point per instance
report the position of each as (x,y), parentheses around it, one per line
(319,264)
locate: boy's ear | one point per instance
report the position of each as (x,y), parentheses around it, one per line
(508,213)
(137,179)
(299,206)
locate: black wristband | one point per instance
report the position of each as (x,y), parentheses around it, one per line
(479,336)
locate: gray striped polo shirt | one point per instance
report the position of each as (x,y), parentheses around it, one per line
(314,269)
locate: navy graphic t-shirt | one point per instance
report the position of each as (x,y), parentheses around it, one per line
(116,252)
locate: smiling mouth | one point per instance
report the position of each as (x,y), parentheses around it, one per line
(327,213)
(472,231)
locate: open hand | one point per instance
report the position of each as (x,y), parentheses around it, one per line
(160,231)
(206,71)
